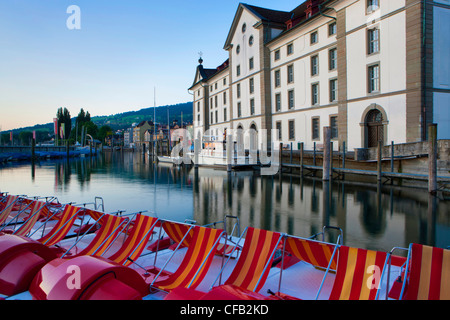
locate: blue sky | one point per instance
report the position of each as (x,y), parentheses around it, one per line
(124,50)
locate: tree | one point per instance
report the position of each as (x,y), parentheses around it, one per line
(104,132)
(63,116)
(25,137)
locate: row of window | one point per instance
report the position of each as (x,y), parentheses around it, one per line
(373,87)
(314,39)
(315,128)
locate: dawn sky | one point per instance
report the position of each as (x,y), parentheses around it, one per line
(122,51)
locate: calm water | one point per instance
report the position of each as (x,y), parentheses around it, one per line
(371,217)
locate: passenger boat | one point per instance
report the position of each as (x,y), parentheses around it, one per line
(140,257)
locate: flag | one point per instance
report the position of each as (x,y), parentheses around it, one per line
(62,130)
(55,122)
(10,136)
(34,134)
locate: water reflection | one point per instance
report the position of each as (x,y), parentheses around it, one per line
(372,216)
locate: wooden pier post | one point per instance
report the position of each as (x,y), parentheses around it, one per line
(229,146)
(326,153)
(379,156)
(301,157)
(196,152)
(432,158)
(392,156)
(280,157)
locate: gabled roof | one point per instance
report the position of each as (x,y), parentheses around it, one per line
(206,74)
(261,14)
(269,14)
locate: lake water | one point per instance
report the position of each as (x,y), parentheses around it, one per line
(371,216)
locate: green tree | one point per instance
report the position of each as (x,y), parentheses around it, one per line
(25,137)
(104,132)
(63,116)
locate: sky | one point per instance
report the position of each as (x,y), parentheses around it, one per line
(110,56)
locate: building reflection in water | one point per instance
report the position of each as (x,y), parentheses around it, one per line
(372,216)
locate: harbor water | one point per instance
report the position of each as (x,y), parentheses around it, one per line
(371,216)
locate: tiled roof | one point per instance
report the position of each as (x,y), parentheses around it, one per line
(269,14)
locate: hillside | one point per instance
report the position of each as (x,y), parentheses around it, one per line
(126,119)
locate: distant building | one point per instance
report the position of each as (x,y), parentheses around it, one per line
(128,137)
(139,133)
(369,69)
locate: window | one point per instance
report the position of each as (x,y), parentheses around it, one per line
(333,90)
(224,81)
(334,127)
(332,30)
(244,27)
(224,114)
(239,109)
(374,78)
(372,5)
(238,49)
(314,65)
(291,102)
(198,106)
(250,41)
(252,106)
(252,85)
(278,127)
(250,63)
(238,70)
(290,73)
(215,101)
(277,55)
(198,117)
(373,41)
(215,85)
(315,128)
(332,59)
(291,130)
(314,37)
(278,102)
(290,48)
(217,116)
(224,98)
(277,78)
(212,120)
(315,94)
(238,90)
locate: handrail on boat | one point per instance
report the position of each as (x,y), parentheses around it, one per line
(341,236)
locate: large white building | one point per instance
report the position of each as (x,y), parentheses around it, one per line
(369,69)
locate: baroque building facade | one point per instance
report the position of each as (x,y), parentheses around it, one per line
(370,70)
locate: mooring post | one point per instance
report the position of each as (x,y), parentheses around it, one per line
(326,153)
(379,155)
(392,156)
(314,154)
(280,157)
(432,158)
(196,151)
(33,149)
(229,146)
(290,155)
(301,158)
